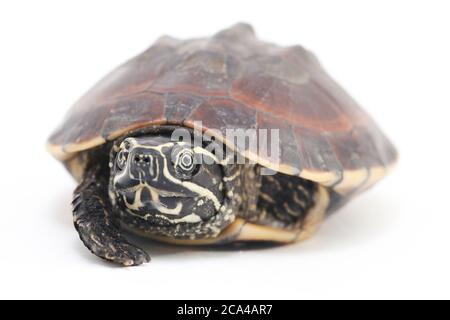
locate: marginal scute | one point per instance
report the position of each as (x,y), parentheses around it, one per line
(289,151)
(316,152)
(234,80)
(316,215)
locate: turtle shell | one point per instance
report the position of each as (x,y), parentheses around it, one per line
(234,80)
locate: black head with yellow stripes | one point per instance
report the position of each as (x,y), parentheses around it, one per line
(156,179)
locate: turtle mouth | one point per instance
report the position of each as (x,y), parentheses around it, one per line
(148,193)
(153,207)
(145,201)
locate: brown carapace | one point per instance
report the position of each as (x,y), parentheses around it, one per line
(233,80)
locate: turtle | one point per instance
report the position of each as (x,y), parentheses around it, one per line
(156,147)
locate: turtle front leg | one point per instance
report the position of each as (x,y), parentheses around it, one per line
(96,225)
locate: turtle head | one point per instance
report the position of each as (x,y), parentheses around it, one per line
(163,181)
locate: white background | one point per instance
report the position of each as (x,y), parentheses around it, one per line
(392,242)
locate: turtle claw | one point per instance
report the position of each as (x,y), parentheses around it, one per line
(127,255)
(114,248)
(111,245)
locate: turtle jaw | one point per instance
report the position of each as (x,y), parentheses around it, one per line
(146,200)
(161,207)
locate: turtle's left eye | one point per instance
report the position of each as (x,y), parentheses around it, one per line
(121,159)
(184,163)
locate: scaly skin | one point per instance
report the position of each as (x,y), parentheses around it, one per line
(95,222)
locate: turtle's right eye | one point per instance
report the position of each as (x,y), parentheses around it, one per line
(121,159)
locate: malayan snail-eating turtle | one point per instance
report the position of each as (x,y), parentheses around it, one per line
(118,142)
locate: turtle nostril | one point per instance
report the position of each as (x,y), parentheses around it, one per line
(140,159)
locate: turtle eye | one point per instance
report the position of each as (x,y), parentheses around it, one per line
(184,163)
(121,159)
